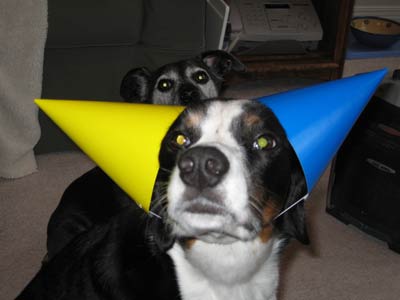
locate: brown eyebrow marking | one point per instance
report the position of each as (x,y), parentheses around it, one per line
(193,119)
(251,119)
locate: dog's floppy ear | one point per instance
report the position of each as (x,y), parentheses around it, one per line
(293,221)
(135,85)
(222,62)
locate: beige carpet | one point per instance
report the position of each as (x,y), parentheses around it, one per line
(341,263)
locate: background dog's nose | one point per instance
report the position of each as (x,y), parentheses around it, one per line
(188,93)
(202,167)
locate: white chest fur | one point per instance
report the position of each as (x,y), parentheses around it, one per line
(238,271)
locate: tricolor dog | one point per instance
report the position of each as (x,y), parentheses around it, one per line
(226,171)
(93,198)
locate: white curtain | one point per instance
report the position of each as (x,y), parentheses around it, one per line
(23,31)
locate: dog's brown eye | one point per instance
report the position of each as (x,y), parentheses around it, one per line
(200,77)
(181,140)
(264,142)
(165,85)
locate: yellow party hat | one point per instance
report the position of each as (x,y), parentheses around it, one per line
(124,142)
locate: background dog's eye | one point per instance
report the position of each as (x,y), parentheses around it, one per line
(165,85)
(264,142)
(200,77)
(181,140)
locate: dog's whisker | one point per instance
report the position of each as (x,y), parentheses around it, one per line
(257,200)
(163,186)
(254,202)
(160,202)
(157,206)
(163,210)
(256,208)
(166,170)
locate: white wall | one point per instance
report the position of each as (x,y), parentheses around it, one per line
(382,8)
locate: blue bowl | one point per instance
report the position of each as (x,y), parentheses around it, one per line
(375,32)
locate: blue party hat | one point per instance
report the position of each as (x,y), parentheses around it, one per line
(318,118)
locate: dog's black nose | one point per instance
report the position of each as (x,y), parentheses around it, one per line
(202,167)
(188,93)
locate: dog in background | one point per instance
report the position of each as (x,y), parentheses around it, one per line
(221,183)
(93,198)
(181,83)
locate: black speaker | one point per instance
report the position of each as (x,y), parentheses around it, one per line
(364,186)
